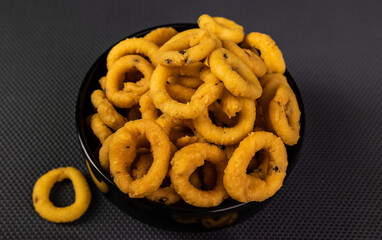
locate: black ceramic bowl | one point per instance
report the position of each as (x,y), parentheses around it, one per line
(178,217)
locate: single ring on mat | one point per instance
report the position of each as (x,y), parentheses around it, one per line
(43,187)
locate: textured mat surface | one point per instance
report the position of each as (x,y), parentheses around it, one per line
(332,48)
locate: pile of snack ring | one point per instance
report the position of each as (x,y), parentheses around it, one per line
(199,115)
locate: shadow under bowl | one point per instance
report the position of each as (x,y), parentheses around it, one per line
(180,216)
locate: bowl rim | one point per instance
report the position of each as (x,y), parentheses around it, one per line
(92,160)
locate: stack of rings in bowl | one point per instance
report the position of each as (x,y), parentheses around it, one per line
(190,127)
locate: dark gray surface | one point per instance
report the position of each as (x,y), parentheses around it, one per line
(332,48)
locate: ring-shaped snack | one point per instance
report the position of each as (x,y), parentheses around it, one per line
(224,28)
(228,135)
(194,31)
(103,154)
(186,50)
(206,94)
(180,93)
(238,78)
(102,82)
(122,152)
(99,128)
(132,46)
(284,115)
(186,161)
(47,209)
(161,35)
(106,110)
(190,82)
(169,123)
(228,104)
(165,195)
(219,118)
(252,60)
(244,187)
(147,107)
(185,140)
(269,52)
(271,82)
(131,92)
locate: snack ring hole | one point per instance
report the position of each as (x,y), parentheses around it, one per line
(222,120)
(62,193)
(208,176)
(132,75)
(259,164)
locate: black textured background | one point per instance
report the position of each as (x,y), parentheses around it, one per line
(332,48)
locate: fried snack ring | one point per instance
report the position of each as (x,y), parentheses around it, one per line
(224,28)
(169,123)
(160,35)
(288,128)
(269,52)
(238,78)
(180,93)
(186,161)
(228,135)
(165,195)
(219,118)
(186,140)
(189,48)
(102,82)
(228,104)
(194,31)
(147,107)
(47,209)
(270,83)
(284,115)
(244,187)
(206,94)
(252,60)
(122,151)
(190,82)
(106,110)
(103,155)
(130,46)
(99,128)
(131,92)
